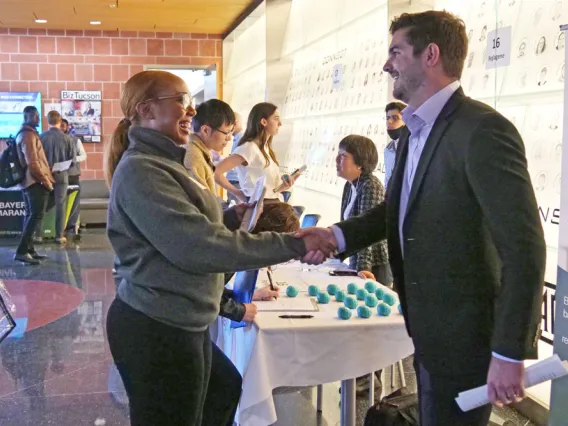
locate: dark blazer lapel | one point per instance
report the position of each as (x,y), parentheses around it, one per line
(440,127)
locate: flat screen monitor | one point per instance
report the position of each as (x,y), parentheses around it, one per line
(12,106)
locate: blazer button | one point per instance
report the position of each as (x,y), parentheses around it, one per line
(414,283)
(408,240)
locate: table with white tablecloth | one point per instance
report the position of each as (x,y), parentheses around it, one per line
(275,352)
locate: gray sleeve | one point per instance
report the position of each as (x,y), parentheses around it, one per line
(162,212)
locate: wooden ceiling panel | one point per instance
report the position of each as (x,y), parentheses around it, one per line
(200,16)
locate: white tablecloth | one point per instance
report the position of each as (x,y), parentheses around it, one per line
(275,352)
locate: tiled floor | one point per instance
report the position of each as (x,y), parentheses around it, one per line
(56,366)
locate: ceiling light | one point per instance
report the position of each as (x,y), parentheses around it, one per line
(41,21)
(112,5)
(95,22)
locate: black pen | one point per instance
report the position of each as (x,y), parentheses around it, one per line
(296,316)
(269,273)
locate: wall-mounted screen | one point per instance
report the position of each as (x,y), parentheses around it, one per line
(12,106)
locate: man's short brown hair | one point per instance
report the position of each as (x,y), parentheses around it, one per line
(442,28)
(277,217)
(53,118)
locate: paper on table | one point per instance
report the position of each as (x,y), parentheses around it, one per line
(288,304)
(548,369)
(62,166)
(251,215)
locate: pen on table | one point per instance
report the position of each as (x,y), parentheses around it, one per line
(296,316)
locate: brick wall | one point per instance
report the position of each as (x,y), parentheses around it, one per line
(49,61)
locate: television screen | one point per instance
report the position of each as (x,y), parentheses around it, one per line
(12,106)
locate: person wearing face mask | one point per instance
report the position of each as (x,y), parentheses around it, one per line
(395,125)
(173,243)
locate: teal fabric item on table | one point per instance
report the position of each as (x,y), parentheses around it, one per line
(371,301)
(364,312)
(340,296)
(380,293)
(370,286)
(332,289)
(361,294)
(344,313)
(389,299)
(323,298)
(291,291)
(313,290)
(383,310)
(352,288)
(350,302)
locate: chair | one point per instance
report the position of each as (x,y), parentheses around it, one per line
(286,195)
(299,210)
(310,220)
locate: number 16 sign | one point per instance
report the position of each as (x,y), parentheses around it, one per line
(498,48)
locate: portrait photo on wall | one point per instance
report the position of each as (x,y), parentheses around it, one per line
(83,111)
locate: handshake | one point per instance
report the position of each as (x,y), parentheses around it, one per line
(320,244)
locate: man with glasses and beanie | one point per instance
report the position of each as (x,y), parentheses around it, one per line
(395,125)
(213,127)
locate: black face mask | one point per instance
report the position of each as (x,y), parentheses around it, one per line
(394,134)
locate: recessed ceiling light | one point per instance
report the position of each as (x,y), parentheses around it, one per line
(112,5)
(95,22)
(41,21)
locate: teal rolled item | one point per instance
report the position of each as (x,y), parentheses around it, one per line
(313,290)
(344,313)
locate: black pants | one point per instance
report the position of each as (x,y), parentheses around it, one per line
(75,210)
(437,398)
(166,372)
(35,200)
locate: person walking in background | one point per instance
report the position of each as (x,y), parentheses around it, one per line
(37,185)
(395,125)
(72,228)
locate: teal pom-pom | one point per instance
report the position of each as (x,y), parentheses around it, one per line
(291,291)
(340,296)
(344,313)
(370,286)
(350,302)
(371,301)
(383,310)
(361,294)
(332,289)
(313,290)
(399,308)
(380,293)
(352,288)
(363,312)
(389,299)
(323,298)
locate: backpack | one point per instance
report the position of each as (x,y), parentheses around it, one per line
(394,410)
(12,172)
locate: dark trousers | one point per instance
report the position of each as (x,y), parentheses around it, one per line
(437,398)
(75,210)
(60,194)
(35,200)
(166,371)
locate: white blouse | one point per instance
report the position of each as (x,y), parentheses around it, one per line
(248,175)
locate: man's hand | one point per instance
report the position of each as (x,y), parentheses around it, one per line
(367,275)
(320,244)
(250,312)
(265,293)
(505,382)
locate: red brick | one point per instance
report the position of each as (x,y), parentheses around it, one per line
(54,89)
(84,72)
(87,174)
(28,44)
(190,47)
(130,34)
(116,111)
(37,31)
(9,44)
(107,107)
(146,34)
(66,72)
(19,86)
(100,174)
(19,31)
(39,86)
(111,91)
(137,46)
(29,58)
(4,86)
(214,36)
(173,47)
(168,60)
(84,46)
(4,31)
(202,61)
(95,161)
(111,34)
(46,45)
(74,33)
(135,69)
(93,33)
(206,47)
(120,73)
(182,35)
(28,72)
(198,36)
(105,59)
(102,73)
(65,45)
(155,47)
(56,32)
(4,57)
(164,35)
(66,59)
(47,72)
(95,86)
(138,60)
(218,48)
(119,46)
(75,85)
(10,71)
(101,46)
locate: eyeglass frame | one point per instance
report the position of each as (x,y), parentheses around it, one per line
(184,94)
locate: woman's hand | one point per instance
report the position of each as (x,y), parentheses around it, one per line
(288,181)
(265,293)
(366,275)
(250,312)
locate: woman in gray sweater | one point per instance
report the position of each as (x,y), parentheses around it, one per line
(173,245)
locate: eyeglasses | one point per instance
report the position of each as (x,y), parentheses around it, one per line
(185,99)
(227,134)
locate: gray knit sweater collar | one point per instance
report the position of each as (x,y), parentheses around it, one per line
(149,141)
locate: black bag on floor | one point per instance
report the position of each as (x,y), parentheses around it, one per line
(394,410)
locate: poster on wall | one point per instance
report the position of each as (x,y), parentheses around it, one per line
(83,111)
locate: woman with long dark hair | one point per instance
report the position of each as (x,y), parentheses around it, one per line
(254,156)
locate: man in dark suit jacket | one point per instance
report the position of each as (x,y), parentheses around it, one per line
(466,245)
